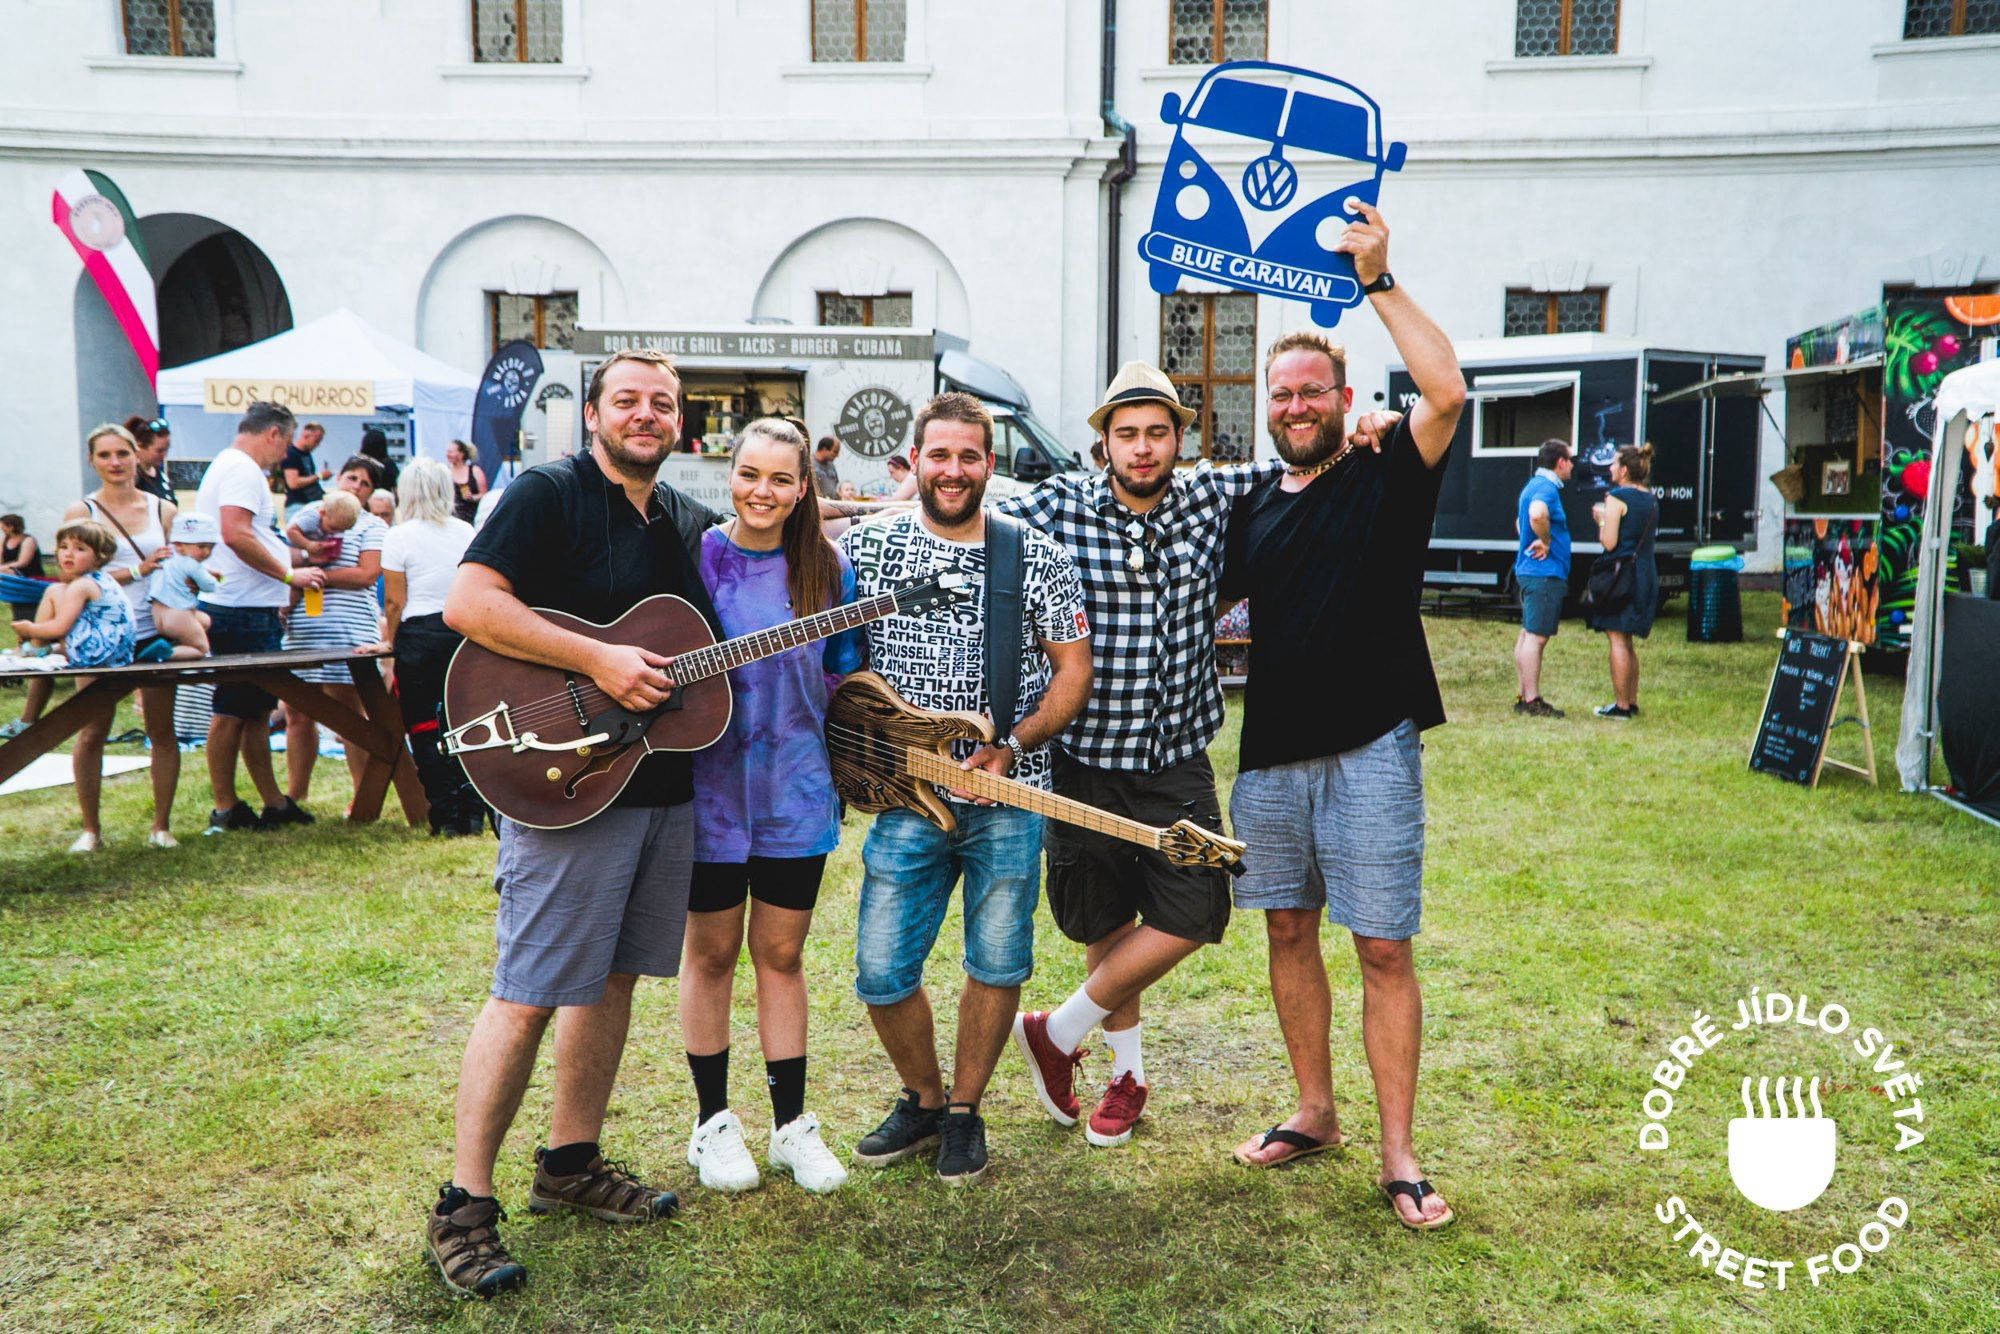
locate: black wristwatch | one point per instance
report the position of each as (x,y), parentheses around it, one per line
(1385,283)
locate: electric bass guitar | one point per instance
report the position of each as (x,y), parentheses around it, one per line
(546,748)
(889,754)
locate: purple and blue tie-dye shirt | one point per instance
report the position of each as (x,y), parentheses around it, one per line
(764,789)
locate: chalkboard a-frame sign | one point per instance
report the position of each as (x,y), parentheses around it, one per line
(1799,709)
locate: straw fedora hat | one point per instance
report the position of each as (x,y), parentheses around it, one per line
(1139,383)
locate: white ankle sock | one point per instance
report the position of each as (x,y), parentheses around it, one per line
(1124,1044)
(1073,1019)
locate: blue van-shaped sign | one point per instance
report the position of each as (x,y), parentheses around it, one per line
(1252,230)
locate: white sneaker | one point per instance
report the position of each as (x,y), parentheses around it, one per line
(717,1150)
(160,838)
(84,843)
(797,1147)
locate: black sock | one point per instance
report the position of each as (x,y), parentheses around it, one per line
(711,1083)
(569,1159)
(787,1079)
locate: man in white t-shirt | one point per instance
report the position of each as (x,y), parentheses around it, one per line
(255,563)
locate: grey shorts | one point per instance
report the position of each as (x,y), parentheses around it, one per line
(1344,832)
(577,905)
(1542,604)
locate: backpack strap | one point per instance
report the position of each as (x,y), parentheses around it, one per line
(1006,543)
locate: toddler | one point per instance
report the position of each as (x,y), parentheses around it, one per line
(179,583)
(89,614)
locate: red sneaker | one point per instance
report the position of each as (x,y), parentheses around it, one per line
(1112,1122)
(1054,1070)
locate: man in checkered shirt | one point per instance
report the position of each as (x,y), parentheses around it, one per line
(1147,541)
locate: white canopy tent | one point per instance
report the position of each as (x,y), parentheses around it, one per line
(340,349)
(1965,397)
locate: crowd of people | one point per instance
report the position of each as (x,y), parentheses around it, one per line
(277,550)
(1086,635)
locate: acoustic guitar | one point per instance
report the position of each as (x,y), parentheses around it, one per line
(546,748)
(888,754)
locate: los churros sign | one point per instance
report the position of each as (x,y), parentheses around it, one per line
(334,397)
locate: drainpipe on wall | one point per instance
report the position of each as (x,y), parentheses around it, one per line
(1123,169)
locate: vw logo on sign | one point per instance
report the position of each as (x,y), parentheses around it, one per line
(1270,183)
(873,423)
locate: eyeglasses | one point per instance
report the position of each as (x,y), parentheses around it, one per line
(1282,398)
(1135,551)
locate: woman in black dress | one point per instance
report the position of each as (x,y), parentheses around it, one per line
(1626,521)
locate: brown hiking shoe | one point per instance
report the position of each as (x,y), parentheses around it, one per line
(603,1190)
(465,1245)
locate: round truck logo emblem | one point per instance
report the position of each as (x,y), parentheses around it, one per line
(873,423)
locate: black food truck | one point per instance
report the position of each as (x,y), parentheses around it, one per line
(1597,392)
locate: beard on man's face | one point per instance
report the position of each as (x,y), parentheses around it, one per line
(1144,488)
(639,449)
(1326,440)
(949,510)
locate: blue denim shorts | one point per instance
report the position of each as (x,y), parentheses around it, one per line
(1344,832)
(244,630)
(909,867)
(1542,604)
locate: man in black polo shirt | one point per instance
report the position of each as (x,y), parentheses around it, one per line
(585,911)
(1329,797)
(302,471)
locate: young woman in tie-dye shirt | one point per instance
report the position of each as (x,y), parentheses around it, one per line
(765,810)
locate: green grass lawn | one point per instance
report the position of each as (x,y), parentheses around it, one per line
(226,1072)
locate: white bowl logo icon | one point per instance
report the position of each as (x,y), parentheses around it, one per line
(1781,1159)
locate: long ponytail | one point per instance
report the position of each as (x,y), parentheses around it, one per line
(812,567)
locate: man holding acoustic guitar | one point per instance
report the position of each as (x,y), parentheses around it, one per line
(585,910)
(1036,676)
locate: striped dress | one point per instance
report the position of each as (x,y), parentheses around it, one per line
(350,617)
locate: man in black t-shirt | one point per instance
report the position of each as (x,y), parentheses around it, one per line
(1329,797)
(302,473)
(584,911)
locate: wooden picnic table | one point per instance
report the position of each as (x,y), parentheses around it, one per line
(377,730)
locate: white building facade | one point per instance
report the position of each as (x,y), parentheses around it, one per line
(1700,175)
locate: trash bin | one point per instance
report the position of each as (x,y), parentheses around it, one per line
(1715,598)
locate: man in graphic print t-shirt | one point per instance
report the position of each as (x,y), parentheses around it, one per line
(938,662)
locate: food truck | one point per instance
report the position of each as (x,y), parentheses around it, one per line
(1857,426)
(863,386)
(1597,392)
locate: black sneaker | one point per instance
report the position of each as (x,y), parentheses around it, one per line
(1616,711)
(961,1156)
(235,818)
(1537,708)
(909,1128)
(462,1239)
(277,817)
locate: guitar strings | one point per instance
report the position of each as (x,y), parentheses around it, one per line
(560,705)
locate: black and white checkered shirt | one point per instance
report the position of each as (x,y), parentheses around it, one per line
(1150,580)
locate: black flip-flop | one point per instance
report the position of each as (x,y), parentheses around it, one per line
(1416,1190)
(1305,1145)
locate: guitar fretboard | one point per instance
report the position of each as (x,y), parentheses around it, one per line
(731,653)
(934,768)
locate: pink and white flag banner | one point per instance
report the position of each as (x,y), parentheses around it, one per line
(94,215)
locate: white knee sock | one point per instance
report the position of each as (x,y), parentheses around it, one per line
(1124,1044)
(1073,1019)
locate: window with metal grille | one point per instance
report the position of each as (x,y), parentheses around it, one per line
(169,27)
(1565,28)
(1207,32)
(891,309)
(1208,348)
(523,32)
(859,29)
(1950,18)
(1553,312)
(548,320)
